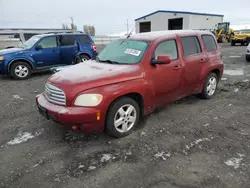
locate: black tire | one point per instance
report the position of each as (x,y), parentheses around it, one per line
(232,43)
(204,94)
(113,110)
(248,58)
(17,76)
(80,59)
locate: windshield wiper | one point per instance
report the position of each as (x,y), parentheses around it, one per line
(109,61)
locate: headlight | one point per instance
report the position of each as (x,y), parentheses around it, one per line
(1,58)
(88,100)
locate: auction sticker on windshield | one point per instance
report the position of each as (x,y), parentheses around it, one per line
(133,52)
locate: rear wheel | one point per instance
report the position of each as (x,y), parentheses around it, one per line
(20,70)
(232,43)
(248,58)
(122,117)
(210,86)
(82,58)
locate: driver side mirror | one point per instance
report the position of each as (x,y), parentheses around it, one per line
(161,60)
(39,47)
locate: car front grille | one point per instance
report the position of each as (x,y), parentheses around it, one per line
(54,95)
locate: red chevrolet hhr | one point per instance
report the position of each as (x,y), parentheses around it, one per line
(130,78)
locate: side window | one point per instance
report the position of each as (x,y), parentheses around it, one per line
(67,40)
(190,45)
(84,39)
(209,42)
(48,42)
(168,48)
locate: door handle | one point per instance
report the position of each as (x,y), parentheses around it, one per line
(177,67)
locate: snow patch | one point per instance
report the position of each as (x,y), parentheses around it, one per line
(17,97)
(23,137)
(236,90)
(238,72)
(81,166)
(92,168)
(223,79)
(206,125)
(234,56)
(106,157)
(235,162)
(194,143)
(164,156)
(244,81)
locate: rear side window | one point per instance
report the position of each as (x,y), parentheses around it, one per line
(209,42)
(84,39)
(67,40)
(191,45)
(167,48)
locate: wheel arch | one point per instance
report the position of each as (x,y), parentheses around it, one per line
(23,60)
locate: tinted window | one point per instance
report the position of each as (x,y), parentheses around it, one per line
(27,36)
(48,42)
(84,39)
(209,42)
(190,45)
(67,40)
(168,48)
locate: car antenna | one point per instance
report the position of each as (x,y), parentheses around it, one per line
(128,35)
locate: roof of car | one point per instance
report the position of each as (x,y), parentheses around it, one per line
(149,36)
(61,33)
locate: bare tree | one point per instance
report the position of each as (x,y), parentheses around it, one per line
(65,26)
(89,29)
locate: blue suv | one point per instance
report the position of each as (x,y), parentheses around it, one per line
(41,52)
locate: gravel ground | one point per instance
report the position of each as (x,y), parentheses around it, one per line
(192,143)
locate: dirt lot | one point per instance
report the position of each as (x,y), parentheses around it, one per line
(192,143)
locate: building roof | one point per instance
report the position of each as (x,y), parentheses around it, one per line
(179,12)
(150,36)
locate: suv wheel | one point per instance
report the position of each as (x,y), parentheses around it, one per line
(210,86)
(248,58)
(20,70)
(122,117)
(81,59)
(232,43)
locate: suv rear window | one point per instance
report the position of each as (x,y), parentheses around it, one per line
(67,40)
(191,45)
(84,39)
(209,42)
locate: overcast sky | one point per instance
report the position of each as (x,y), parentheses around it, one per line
(108,16)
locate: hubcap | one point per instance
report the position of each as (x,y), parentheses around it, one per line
(125,118)
(21,71)
(83,59)
(211,86)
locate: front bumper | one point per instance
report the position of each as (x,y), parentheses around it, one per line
(239,40)
(83,118)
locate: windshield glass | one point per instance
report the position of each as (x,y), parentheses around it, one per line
(29,43)
(245,31)
(123,51)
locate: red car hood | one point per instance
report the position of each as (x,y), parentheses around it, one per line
(91,74)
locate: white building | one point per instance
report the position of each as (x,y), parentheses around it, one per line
(171,20)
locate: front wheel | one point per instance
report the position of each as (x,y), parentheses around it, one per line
(248,58)
(20,70)
(210,86)
(122,117)
(232,43)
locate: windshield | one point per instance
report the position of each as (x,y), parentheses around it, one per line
(123,51)
(245,31)
(29,43)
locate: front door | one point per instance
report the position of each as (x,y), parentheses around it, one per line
(46,52)
(194,60)
(68,49)
(166,78)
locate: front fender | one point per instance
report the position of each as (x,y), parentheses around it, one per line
(10,61)
(112,92)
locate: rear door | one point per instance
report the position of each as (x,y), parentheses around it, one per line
(49,54)
(68,49)
(194,59)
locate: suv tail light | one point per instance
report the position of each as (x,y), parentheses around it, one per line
(94,47)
